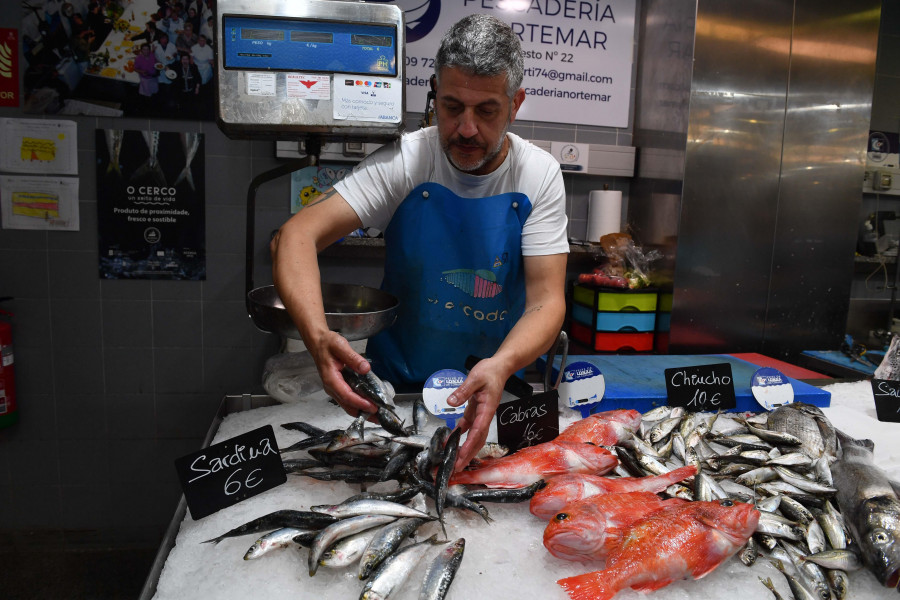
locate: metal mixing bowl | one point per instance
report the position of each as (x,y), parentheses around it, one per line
(356,312)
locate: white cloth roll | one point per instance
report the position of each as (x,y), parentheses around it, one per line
(604,213)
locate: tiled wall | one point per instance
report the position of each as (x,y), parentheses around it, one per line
(117,379)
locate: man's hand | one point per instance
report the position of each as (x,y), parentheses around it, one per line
(483,389)
(330,354)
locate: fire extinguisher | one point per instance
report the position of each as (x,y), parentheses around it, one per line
(8,413)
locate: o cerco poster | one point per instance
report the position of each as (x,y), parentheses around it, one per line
(150,205)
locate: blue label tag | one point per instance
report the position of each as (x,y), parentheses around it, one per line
(582,385)
(438,388)
(771,388)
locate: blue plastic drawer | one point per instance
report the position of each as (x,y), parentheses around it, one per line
(615,321)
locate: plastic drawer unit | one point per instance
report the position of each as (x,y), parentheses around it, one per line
(614,319)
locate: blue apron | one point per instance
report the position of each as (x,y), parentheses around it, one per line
(455,264)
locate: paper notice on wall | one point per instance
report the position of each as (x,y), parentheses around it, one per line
(308,87)
(367,98)
(49,203)
(38,146)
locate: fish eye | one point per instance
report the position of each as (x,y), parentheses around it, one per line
(726,503)
(880,536)
(561,517)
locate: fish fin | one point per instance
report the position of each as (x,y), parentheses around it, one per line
(590,586)
(214,540)
(652,585)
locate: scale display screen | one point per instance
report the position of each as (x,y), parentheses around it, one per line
(258,43)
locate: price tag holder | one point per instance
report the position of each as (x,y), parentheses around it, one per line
(887,400)
(703,388)
(771,388)
(437,389)
(583,385)
(229,472)
(528,421)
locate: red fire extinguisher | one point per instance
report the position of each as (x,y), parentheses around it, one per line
(8,412)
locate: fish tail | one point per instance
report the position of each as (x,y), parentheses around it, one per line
(590,586)
(214,540)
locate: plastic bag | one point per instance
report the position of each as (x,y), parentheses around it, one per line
(291,377)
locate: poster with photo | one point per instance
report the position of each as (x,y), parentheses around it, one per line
(150,205)
(131,58)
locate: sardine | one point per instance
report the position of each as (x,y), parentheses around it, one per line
(444,472)
(303,427)
(368,506)
(807,485)
(300,519)
(441,571)
(280,538)
(750,552)
(385,542)
(395,570)
(506,496)
(340,530)
(348,550)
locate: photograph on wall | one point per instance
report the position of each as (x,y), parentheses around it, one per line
(150,205)
(48,203)
(138,58)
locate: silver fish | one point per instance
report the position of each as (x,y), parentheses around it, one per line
(815,537)
(801,482)
(420,415)
(797,588)
(845,560)
(368,506)
(870,508)
(340,530)
(834,531)
(395,570)
(441,571)
(348,550)
(444,471)
(768,583)
(809,425)
(280,538)
(779,527)
(795,511)
(839,582)
(749,553)
(385,541)
(781,438)
(664,428)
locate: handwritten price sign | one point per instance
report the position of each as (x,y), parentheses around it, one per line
(231,471)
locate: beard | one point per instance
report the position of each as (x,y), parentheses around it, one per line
(475,163)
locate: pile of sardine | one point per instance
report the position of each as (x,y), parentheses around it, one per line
(816,524)
(373,530)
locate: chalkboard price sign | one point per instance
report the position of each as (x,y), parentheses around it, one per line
(701,388)
(887,400)
(528,421)
(226,473)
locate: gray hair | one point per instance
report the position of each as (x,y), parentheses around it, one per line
(484,46)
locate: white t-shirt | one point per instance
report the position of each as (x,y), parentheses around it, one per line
(378,184)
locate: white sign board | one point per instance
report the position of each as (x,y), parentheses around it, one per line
(578,54)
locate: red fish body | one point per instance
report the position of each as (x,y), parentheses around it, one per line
(676,542)
(603,428)
(538,462)
(565,489)
(590,529)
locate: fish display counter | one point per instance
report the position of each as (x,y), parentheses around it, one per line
(503,558)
